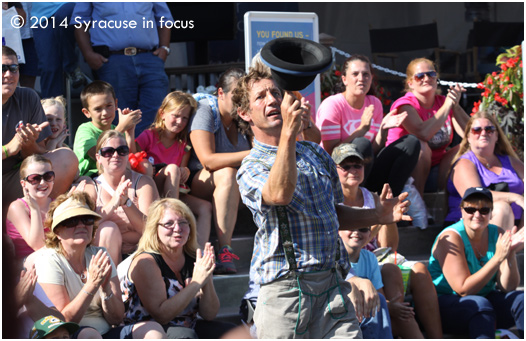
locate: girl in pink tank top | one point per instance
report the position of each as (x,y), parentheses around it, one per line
(25,216)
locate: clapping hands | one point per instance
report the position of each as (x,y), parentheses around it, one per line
(205,263)
(100,269)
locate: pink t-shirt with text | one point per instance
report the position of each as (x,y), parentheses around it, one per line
(337,120)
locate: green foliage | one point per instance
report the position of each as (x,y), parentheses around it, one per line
(503,96)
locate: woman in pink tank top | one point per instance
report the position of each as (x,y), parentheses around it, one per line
(431,118)
(25,216)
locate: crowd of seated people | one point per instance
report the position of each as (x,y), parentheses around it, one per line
(77,215)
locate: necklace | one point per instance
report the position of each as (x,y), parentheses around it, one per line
(229,126)
(478,254)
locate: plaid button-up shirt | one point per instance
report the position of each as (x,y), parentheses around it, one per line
(311,213)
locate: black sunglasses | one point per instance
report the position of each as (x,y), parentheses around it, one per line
(364,230)
(13,68)
(487,129)
(72,222)
(109,151)
(431,74)
(350,166)
(472,210)
(35,179)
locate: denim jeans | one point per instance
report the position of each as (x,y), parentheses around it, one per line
(55,48)
(480,316)
(378,327)
(139,82)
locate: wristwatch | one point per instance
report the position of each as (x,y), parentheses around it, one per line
(166,48)
(128,202)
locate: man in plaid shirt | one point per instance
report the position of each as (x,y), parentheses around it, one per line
(293,191)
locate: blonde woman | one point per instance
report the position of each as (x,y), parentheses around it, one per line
(169,279)
(486,159)
(123,197)
(431,118)
(26,215)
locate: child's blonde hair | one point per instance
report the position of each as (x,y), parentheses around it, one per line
(176,100)
(59,101)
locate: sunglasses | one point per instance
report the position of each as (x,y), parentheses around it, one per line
(487,129)
(431,74)
(35,179)
(364,230)
(72,222)
(109,151)
(348,167)
(472,210)
(13,68)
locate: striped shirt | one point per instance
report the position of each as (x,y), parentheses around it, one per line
(311,213)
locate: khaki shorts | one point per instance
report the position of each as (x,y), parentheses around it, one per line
(313,306)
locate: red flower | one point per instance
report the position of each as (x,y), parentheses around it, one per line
(486,93)
(489,80)
(494,74)
(337,73)
(326,94)
(504,67)
(480,86)
(387,102)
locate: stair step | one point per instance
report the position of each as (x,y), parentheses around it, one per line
(230,290)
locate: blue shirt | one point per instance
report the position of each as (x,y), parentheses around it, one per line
(147,16)
(474,264)
(311,213)
(367,267)
(45,10)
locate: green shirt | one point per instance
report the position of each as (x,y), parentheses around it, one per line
(85,139)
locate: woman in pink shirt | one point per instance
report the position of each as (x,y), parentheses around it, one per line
(431,118)
(356,116)
(26,215)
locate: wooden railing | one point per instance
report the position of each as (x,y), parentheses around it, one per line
(188,78)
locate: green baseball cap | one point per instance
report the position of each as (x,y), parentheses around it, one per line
(345,150)
(48,324)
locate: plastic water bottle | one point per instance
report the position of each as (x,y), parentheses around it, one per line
(417,210)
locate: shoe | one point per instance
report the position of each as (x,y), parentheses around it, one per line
(226,265)
(77,78)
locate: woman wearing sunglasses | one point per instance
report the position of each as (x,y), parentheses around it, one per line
(486,159)
(25,217)
(350,167)
(356,116)
(80,279)
(474,268)
(123,197)
(431,118)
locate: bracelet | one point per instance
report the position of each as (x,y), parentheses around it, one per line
(107,297)
(87,293)
(5,151)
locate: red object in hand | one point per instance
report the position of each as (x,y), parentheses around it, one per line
(135,161)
